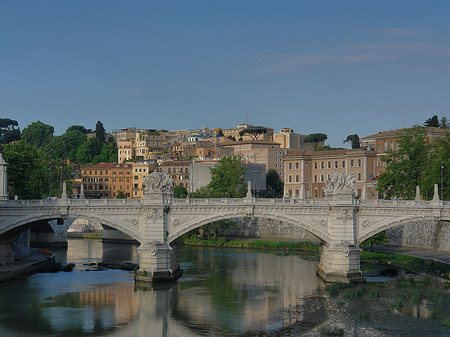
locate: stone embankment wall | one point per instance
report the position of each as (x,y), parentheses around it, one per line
(267,228)
(423,234)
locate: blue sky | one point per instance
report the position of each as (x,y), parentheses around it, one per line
(336,67)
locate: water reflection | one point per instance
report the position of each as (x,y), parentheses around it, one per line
(222,292)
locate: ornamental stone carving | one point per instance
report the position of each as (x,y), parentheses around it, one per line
(154,213)
(340,183)
(157,182)
(344,214)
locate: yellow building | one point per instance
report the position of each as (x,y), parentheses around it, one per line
(140,170)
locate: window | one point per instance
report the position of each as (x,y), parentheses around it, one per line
(343,164)
(315,165)
(359,192)
(322,178)
(290,166)
(323,193)
(296,178)
(296,165)
(359,176)
(168,170)
(336,164)
(322,164)
(359,162)
(351,163)
(329,164)
(316,193)
(315,178)
(290,178)
(297,193)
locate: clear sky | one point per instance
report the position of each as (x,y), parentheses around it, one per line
(336,67)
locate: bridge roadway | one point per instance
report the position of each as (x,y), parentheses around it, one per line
(340,221)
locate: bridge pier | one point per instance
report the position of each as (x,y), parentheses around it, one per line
(340,262)
(158,263)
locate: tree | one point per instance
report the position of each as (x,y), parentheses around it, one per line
(66,146)
(9,130)
(253,131)
(108,153)
(100,132)
(228,179)
(80,128)
(377,239)
(121,195)
(27,170)
(432,122)
(405,167)
(354,139)
(180,192)
(38,134)
(315,138)
(274,183)
(436,168)
(88,151)
(444,123)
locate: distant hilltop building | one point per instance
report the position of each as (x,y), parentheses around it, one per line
(288,139)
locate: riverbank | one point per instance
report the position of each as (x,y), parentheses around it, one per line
(251,243)
(429,262)
(37,259)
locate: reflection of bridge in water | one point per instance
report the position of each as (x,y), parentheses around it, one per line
(340,221)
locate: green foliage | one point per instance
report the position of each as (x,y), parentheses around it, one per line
(227,179)
(432,122)
(79,128)
(377,240)
(9,130)
(66,145)
(108,153)
(327,148)
(315,138)
(31,174)
(180,192)
(38,134)
(121,195)
(27,172)
(274,183)
(100,132)
(253,131)
(354,139)
(88,151)
(405,167)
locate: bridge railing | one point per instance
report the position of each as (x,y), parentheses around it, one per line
(71,202)
(402,203)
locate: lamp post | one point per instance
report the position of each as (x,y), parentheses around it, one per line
(442,181)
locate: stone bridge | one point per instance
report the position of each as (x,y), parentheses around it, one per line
(156,221)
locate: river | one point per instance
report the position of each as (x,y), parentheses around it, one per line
(232,292)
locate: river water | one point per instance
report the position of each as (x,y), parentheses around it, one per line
(232,292)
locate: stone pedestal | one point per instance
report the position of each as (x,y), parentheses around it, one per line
(158,263)
(340,262)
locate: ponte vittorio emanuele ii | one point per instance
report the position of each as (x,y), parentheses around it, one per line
(156,221)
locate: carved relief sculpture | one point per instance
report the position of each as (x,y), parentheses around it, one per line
(158,182)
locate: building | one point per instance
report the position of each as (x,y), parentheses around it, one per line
(178,171)
(307,171)
(105,180)
(288,139)
(263,152)
(96,180)
(235,133)
(201,175)
(141,170)
(382,142)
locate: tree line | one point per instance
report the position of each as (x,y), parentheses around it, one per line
(39,162)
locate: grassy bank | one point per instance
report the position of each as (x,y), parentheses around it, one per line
(255,244)
(407,262)
(84,235)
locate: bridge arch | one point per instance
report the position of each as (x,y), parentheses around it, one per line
(22,222)
(392,223)
(177,230)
